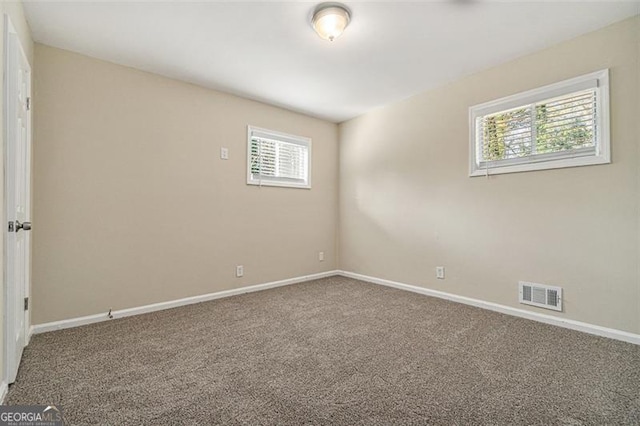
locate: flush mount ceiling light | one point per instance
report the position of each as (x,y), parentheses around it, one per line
(330,20)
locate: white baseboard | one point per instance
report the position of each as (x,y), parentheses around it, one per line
(4,389)
(535,316)
(90,319)
(547,319)
(29,334)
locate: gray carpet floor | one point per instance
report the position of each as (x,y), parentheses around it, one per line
(331,351)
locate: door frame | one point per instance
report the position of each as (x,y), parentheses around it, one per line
(9,187)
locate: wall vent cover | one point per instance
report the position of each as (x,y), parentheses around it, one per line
(540,295)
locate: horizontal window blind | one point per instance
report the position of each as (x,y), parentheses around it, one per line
(278,159)
(564,124)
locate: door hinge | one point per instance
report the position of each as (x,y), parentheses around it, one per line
(11,226)
(28,103)
(26,303)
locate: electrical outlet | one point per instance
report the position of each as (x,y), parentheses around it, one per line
(440,272)
(239,271)
(321,256)
(224,153)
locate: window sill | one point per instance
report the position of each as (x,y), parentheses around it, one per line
(542,165)
(280,184)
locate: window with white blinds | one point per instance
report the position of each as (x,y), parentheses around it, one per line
(278,159)
(561,125)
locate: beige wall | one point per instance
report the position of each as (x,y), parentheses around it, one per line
(15,13)
(132,204)
(408,205)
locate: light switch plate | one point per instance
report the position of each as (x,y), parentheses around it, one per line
(224,153)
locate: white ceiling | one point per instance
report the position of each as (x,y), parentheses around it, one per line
(267,50)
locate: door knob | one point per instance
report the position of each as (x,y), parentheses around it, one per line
(25,225)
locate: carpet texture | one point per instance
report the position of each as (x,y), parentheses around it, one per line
(331,351)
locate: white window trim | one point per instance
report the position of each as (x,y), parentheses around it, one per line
(284,136)
(602,155)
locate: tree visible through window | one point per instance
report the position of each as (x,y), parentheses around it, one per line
(564,124)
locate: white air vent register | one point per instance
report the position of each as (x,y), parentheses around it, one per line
(540,295)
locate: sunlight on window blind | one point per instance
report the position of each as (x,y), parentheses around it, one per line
(556,125)
(278,159)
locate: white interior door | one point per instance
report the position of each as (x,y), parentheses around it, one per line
(17,199)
